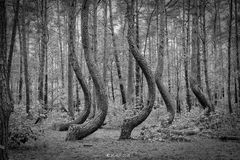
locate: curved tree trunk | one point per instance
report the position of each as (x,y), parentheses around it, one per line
(75,65)
(130,123)
(194,82)
(87,97)
(159,70)
(77,132)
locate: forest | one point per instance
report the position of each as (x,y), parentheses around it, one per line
(119,79)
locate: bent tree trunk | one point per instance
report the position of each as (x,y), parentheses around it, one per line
(77,132)
(75,65)
(130,123)
(6,105)
(159,70)
(194,83)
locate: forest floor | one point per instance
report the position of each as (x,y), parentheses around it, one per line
(104,144)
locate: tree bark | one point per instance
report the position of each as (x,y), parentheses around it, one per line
(95,52)
(60,43)
(130,123)
(159,70)
(42,55)
(197,44)
(188,98)
(229,57)
(105,59)
(21,65)
(117,62)
(237,49)
(6,105)
(137,68)
(70,70)
(185,53)
(77,132)
(112,81)
(25,59)
(46,55)
(46,59)
(168,58)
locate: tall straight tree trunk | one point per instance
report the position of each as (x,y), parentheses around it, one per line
(6,105)
(117,62)
(178,67)
(229,57)
(197,45)
(159,70)
(77,132)
(21,65)
(105,59)
(188,53)
(204,41)
(194,81)
(42,55)
(215,46)
(220,46)
(52,81)
(75,65)
(46,82)
(14,30)
(237,49)
(112,81)
(185,53)
(45,30)
(137,68)
(70,86)
(168,57)
(130,123)
(130,89)
(60,43)
(25,59)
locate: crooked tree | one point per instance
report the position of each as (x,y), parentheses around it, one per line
(130,123)
(77,132)
(159,70)
(77,70)
(194,76)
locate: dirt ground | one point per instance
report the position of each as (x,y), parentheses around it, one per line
(104,144)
